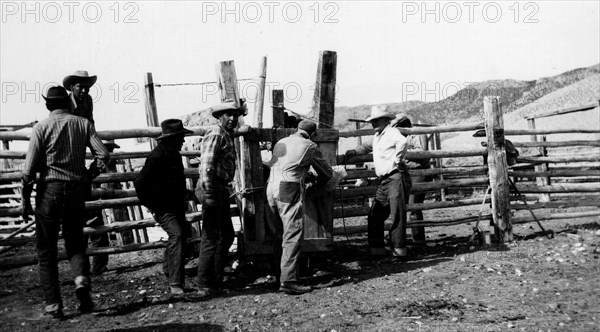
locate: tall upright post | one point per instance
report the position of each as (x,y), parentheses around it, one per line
(278,107)
(260,94)
(438,163)
(544,180)
(318,221)
(249,164)
(498,169)
(151,112)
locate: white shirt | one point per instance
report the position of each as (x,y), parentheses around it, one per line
(388,147)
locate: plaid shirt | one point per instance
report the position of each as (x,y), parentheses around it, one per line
(217,156)
(57,147)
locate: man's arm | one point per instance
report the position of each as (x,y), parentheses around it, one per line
(32,161)
(321,166)
(364,148)
(99,151)
(401,147)
(145,184)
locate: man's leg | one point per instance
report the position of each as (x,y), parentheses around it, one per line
(174,251)
(99,262)
(380,210)
(211,236)
(47,226)
(292,217)
(275,228)
(396,192)
(225,241)
(418,233)
(73,220)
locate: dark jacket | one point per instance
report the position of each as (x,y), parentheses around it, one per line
(160,186)
(83,108)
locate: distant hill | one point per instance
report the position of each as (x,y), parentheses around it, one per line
(467,104)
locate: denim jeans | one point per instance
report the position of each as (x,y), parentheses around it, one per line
(99,262)
(59,204)
(390,201)
(178,230)
(217,237)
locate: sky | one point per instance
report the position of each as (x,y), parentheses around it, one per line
(387,51)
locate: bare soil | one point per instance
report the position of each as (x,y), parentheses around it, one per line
(531,284)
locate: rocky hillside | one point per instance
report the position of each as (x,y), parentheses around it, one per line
(467,104)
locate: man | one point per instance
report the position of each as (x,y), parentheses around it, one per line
(161,187)
(57,151)
(81,102)
(292,158)
(414,143)
(217,170)
(389,148)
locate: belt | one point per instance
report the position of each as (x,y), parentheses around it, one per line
(389,174)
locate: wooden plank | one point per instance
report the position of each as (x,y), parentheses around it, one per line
(151,112)
(564,111)
(260,94)
(419,130)
(498,169)
(318,212)
(278,107)
(415,155)
(535,144)
(544,180)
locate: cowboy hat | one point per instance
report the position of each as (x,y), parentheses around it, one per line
(172,127)
(56,98)
(400,118)
(380,111)
(111,144)
(480,133)
(228,105)
(78,76)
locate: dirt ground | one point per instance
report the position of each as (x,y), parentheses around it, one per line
(532,284)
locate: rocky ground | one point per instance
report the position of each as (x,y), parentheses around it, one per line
(532,284)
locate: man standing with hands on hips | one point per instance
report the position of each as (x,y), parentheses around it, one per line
(389,149)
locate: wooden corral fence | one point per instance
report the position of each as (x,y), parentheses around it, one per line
(255,237)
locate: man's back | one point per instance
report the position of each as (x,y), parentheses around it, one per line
(58,146)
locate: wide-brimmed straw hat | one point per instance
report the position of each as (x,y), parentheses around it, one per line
(78,76)
(172,127)
(380,111)
(216,111)
(402,118)
(56,97)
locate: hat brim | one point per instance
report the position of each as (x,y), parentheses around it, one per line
(480,133)
(387,115)
(183,132)
(72,79)
(112,145)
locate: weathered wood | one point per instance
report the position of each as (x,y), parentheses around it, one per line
(555,173)
(559,188)
(419,130)
(278,107)
(556,204)
(414,155)
(572,159)
(498,169)
(318,211)
(563,130)
(260,94)
(151,112)
(272,135)
(556,144)
(567,110)
(541,181)
(113,155)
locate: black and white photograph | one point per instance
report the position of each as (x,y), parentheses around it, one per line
(300,165)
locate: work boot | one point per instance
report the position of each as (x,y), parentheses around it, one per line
(55,311)
(293,288)
(399,252)
(177,290)
(82,291)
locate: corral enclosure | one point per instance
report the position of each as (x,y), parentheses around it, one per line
(554,173)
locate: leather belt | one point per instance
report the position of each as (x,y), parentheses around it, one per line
(389,174)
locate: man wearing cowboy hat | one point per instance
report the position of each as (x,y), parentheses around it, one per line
(161,187)
(216,170)
(81,102)
(292,157)
(389,148)
(57,150)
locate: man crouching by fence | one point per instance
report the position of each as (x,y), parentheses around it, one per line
(160,187)
(389,148)
(217,169)
(57,151)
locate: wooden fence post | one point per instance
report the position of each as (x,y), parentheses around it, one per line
(318,221)
(498,168)
(437,141)
(260,95)
(151,112)
(543,180)
(278,107)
